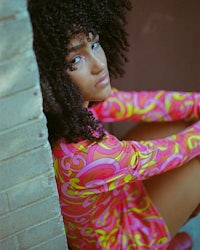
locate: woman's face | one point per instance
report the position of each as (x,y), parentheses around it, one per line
(88,68)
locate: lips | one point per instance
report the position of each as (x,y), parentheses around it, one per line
(103,80)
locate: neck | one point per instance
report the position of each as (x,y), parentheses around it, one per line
(85,104)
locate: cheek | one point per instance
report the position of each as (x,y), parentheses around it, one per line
(75,77)
(79,74)
(103,57)
(80,80)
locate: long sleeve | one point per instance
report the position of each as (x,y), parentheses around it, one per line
(148,106)
(95,167)
(103,201)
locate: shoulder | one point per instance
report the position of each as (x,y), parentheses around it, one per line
(108,144)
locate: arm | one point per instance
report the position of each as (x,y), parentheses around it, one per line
(148,106)
(102,166)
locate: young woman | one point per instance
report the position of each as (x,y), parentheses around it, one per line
(114,194)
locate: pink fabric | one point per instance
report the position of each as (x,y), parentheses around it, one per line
(103,201)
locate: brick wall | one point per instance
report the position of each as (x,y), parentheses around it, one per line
(29,209)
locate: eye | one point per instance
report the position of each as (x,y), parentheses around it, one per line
(73,63)
(96,45)
(75,60)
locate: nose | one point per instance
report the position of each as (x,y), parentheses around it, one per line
(97,64)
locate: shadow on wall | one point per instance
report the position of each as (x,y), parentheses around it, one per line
(165,45)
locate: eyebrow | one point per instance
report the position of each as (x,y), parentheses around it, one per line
(77,47)
(80,46)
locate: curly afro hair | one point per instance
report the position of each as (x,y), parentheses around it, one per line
(54,23)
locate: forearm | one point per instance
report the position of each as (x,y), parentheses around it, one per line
(149,106)
(159,156)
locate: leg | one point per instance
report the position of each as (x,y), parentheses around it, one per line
(176,193)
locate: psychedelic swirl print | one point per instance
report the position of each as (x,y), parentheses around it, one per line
(103,201)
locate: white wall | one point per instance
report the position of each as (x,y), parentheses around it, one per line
(29,210)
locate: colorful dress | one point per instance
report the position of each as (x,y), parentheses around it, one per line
(102,197)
